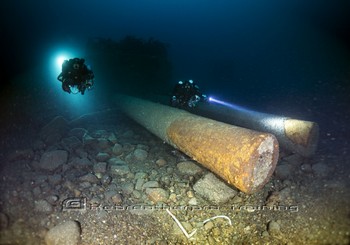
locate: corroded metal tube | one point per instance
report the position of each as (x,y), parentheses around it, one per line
(297,136)
(242,157)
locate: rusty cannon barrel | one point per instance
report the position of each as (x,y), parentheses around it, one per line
(242,157)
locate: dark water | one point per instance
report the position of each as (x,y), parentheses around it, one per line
(288,58)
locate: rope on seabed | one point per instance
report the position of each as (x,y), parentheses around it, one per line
(219,216)
(195,230)
(181,227)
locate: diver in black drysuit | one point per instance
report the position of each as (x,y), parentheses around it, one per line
(186,95)
(76,74)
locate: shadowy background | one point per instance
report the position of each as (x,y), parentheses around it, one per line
(290,58)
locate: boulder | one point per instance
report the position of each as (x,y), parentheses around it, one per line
(52,160)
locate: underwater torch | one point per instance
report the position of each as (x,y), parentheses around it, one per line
(294,135)
(242,157)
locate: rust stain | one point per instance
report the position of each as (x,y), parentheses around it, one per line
(228,151)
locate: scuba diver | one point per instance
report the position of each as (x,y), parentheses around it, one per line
(186,95)
(75,74)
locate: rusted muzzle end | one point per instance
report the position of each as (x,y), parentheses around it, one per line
(303,135)
(242,157)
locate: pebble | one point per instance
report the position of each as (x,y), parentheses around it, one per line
(128,147)
(81,163)
(150,184)
(80,152)
(177,231)
(139,184)
(211,240)
(130,175)
(117,199)
(140,175)
(52,199)
(112,138)
(129,158)
(140,155)
(102,156)
(77,192)
(106,180)
(213,189)
(165,179)
(209,225)
(170,170)
(102,215)
(118,166)
(216,232)
(190,194)
(120,169)
(161,162)
(193,201)
(306,168)
(285,194)
(90,178)
(157,194)
(188,168)
(88,140)
(67,233)
(84,185)
(110,194)
(237,199)
(172,197)
(43,206)
(273,199)
(153,174)
(112,186)
(96,189)
(116,161)
(40,179)
(127,188)
(100,167)
(36,191)
(273,228)
(137,194)
(117,149)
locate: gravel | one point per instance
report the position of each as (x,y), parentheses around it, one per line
(115,186)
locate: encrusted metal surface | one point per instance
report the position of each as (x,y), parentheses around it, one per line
(242,157)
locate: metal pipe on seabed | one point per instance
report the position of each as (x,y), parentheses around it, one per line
(242,157)
(297,136)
